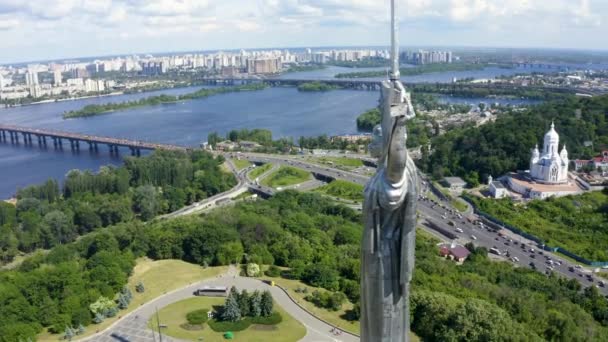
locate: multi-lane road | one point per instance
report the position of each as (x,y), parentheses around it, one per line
(513,248)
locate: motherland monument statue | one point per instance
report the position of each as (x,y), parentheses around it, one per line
(389,212)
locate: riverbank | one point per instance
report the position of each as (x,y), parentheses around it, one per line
(96,109)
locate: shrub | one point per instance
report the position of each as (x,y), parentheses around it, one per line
(327,300)
(223,326)
(59,323)
(253,270)
(197,316)
(273,271)
(274,319)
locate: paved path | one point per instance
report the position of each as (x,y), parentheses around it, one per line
(133,327)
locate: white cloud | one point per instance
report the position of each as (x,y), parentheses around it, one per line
(170,7)
(247,26)
(8,23)
(96,6)
(229,23)
(52,9)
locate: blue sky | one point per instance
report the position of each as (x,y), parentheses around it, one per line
(50,29)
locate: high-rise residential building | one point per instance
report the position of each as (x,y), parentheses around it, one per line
(95,86)
(427,57)
(57,78)
(80,73)
(263,65)
(31,78)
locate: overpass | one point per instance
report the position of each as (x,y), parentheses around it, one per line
(14,133)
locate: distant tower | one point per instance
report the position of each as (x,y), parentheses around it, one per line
(535,156)
(564,155)
(57,77)
(551,141)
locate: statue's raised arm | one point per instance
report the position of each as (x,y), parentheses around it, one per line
(389,215)
(396,110)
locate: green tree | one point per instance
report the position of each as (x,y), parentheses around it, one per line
(253,270)
(244,303)
(266,304)
(231,312)
(230,252)
(255,304)
(58,227)
(146,202)
(102,306)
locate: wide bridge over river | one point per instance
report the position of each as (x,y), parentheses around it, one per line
(14,133)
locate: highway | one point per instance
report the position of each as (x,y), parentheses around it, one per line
(510,246)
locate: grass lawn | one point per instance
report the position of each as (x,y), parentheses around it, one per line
(286,176)
(343,163)
(431,195)
(241,163)
(443,190)
(333,317)
(174,315)
(459,205)
(158,278)
(343,189)
(259,170)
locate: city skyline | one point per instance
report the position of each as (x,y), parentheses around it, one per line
(45,30)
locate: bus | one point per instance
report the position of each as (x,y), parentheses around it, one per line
(212,291)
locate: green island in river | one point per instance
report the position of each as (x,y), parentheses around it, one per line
(93,110)
(316,86)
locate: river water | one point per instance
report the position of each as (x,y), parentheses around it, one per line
(285,111)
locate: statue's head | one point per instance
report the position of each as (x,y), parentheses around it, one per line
(375,147)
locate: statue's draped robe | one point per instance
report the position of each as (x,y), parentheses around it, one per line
(388,255)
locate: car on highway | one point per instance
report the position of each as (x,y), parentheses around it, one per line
(495,250)
(473,237)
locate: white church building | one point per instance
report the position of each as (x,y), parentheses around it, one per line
(551,167)
(548,174)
